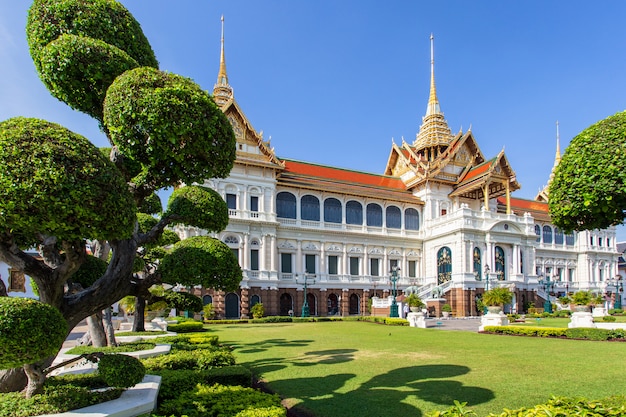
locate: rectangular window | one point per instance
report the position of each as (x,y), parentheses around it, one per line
(236,253)
(374,267)
(309,264)
(332,264)
(254,203)
(285,263)
(231,201)
(412,269)
(354,265)
(254,259)
(392,263)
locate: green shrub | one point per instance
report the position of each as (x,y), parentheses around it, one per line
(273,319)
(185,327)
(195,359)
(218,400)
(562,313)
(527,331)
(121,371)
(608,318)
(303,319)
(273,411)
(587,333)
(174,383)
(235,321)
(209,311)
(55,399)
(123,347)
(392,321)
(29,331)
(257,310)
(616,311)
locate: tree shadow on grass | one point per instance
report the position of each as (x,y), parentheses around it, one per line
(383,394)
(264,345)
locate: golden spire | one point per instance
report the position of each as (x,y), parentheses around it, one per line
(222,91)
(434,131)
(544,193)
(433,103)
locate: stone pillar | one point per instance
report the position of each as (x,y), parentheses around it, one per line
(272,249)
(273,301)
(245,303)
(364,302)
(323,303)
(345,302)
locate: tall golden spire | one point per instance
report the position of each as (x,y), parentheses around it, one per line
(434,132)
(222,91)
(544,193)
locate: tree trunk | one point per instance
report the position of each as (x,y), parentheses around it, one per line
(140,308)
(36,378)
(3,289)
(96,330)
(12,380)
(108,327)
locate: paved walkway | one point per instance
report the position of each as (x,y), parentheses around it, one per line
(466,323)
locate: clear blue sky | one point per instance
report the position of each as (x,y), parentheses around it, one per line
(332,82)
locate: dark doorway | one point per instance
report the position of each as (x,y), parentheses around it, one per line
(232,306)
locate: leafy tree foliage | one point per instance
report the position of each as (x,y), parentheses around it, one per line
(201,260)
(589,186)
(56,182)
(183,301)
(57,190)
(164,120)
(29,331)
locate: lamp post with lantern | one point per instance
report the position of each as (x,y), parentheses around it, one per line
(547,287)
(305,306)
(618,283)
(393,310)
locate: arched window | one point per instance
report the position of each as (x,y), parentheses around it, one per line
(547,234)
(394,217)
(310,208)
(286,205)
(411,219)
(374,215)
(332,210)
(478,274)
(538,232)
(444,265)
(354,212)
(355,305)
(558,236)
(570,239)
(500,264)
(207,299)
(255,299)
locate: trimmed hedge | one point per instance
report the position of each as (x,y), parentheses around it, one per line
(219,400)
(175,383)
(198,359)
(121,371)
(584,333)
(185,327)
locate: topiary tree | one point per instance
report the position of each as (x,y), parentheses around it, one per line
(589,186)
(58,191)
(29,332)
(122,371)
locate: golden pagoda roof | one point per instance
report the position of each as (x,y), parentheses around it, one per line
(222,91)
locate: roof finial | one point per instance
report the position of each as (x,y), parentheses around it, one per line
(557,157)
(433,103)
(222,90)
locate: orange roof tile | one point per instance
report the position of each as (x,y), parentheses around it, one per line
(342,175)
(478,170)
(527,205)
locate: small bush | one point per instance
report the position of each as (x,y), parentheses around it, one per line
(562,313)
(588,333)
(257,310)
(219,400)
(616,311)
(608,318)
(273,319)
(174,383)
(527,331)
(123,347)
(390,321)
(121,371)
(185,327)
(197,359)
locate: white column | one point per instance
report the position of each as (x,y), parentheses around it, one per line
(246,251)
(299,267)
(273,253)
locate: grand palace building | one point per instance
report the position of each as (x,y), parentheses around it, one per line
(442,213)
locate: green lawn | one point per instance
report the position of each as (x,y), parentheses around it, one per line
(363,369)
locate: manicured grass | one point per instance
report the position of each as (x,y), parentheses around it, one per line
(559,321)
(364,369)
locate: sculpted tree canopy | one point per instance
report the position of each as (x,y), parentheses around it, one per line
(201,260)
(589,186)
(56,182)
(58,191)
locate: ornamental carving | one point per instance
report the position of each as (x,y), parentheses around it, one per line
(355,249)
(334,248)
(287,245)
(309,246)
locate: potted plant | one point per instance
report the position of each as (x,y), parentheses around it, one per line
(414,302)
(446,309)
(496,298)
(582,300)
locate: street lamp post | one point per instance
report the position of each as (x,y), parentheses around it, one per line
(618,283)
(393,310)
(305,305)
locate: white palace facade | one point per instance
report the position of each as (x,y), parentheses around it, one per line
(442,211)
